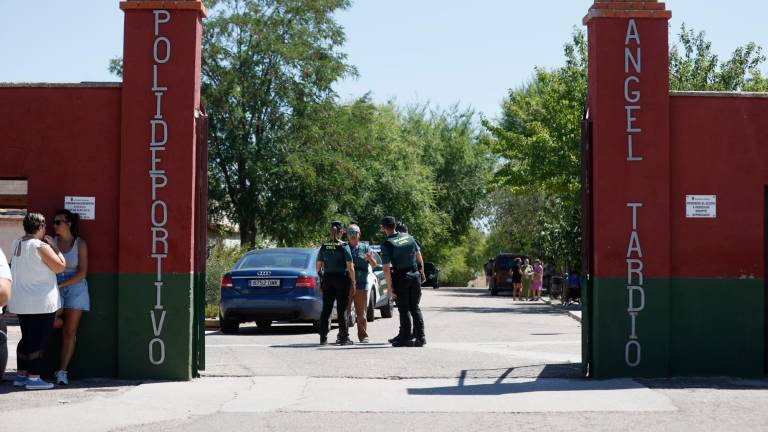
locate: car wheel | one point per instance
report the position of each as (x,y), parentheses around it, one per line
(386,311)
(263,323)
(228,326)
(370,312)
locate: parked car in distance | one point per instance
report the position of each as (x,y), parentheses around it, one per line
(432,272)
(501,280)
(266,285)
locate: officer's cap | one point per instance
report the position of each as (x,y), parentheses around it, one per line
(388,221)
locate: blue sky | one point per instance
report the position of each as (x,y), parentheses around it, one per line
(442,51)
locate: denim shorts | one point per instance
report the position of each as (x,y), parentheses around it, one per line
(74,296)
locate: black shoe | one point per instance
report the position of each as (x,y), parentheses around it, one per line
(346,342)
(398,343)
(420,342)
(323,340)
(392,340)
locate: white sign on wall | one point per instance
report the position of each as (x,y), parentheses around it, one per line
(701,206)
(84,206)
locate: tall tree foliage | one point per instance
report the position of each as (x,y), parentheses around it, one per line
(267,64)
(693,66)
(537,140)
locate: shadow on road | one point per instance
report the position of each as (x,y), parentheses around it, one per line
(522,308)
(549,377)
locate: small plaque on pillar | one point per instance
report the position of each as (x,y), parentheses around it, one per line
(701,206)
(84,206)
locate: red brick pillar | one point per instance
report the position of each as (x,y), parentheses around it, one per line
(629,108)
(158,169)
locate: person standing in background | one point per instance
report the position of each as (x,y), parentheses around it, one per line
(35,260)
(334,262)
(361,259)
(527,270)
(538,279)
(73,287)
(5,295)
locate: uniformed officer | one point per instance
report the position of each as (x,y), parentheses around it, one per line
(334,262)
(401,253)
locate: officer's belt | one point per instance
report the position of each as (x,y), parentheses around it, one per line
(407,269)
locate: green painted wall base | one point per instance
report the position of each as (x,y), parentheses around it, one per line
(137,333)
(113,339)
(96,349)
(689,327)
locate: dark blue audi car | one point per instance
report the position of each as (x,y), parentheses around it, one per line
(267,285)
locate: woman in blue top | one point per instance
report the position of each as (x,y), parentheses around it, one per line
(73,287)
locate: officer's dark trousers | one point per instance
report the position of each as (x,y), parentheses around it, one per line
(408,290)
(335,289)
(3,345)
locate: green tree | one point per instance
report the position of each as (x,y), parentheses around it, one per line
(267,64)
(537,140)
(693,66)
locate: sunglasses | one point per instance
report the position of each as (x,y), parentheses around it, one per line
(59,222)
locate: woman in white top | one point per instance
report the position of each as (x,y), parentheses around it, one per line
(5,294)
(73,287)
(35,260)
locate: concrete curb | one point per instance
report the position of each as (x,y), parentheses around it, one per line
(570,313)
(211,323)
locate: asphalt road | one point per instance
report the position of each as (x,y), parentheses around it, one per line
(490,364)
(468,334)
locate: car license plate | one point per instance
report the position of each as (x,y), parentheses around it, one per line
(509,279)
(259,283)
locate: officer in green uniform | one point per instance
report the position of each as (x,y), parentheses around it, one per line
(334,262)
(401,253)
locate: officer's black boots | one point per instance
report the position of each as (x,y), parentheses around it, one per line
(323,340)
(400,343)
(346,342)
(420,342)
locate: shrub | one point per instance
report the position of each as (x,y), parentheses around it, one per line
(221,258)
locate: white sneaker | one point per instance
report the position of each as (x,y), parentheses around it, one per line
(38,384)
(61,377)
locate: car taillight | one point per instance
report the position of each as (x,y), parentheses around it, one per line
(226,281)
(305,282)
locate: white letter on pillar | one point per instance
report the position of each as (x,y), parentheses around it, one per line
(637,62)
(634,245)
(630,119)
(632,32)
(154,142)
(167,50)
(166,17)
(159,235)
(639,308)
(634,267)
(634,207)
(635,94)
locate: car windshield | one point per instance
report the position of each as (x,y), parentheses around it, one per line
(429,267)
(276,259)
(504,262)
